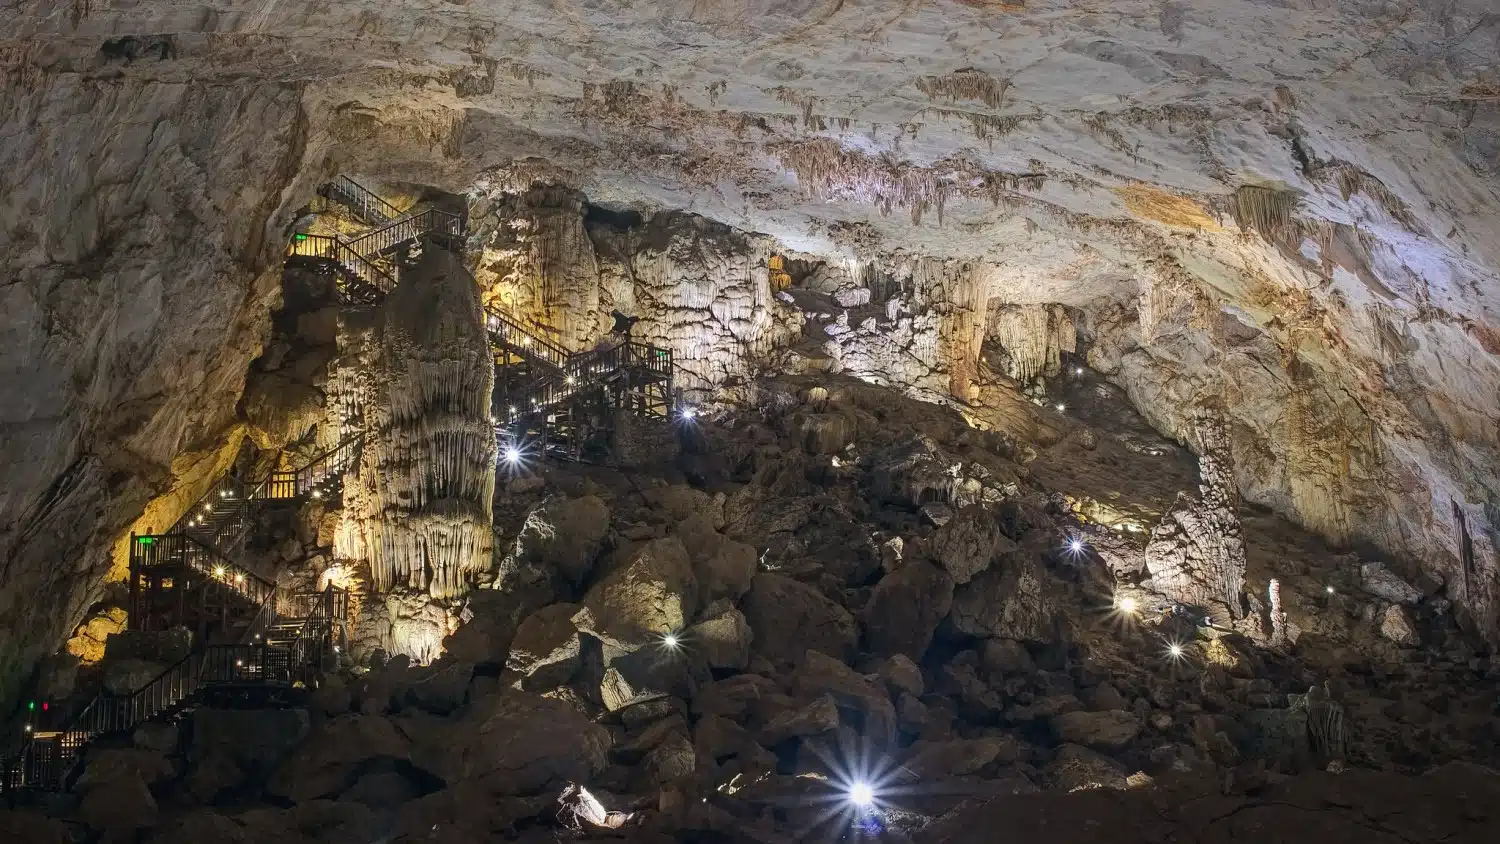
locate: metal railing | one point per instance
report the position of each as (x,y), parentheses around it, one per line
(365,203)
(585,371)
(361,281)
(511,334)
(398,233)
(179,549)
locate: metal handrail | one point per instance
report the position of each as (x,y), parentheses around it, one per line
(154,550)
(586,370)
(393,235)
(364,282)
(361,200)
(512,335)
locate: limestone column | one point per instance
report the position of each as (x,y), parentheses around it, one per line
(420,513)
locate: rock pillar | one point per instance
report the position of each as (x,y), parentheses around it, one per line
(420,512)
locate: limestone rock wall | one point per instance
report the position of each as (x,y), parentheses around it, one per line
(138,233)
(699,288)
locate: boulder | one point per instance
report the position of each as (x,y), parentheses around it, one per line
(789,617)
(439,688)
(490,618)
(681,503)
(330,760)
(1005,657)
(125,676)
(33,828)
(382,790)
(1013,603)
(1076,768)
(518,743)
(1377,579)
(632,748)
(958,757)
(315,820)
(809,719)
(673,758)
(560,535)
(108,764)
(905,609)
(727,572)
(966,544)
(254,742)
(735,697)
(1397,626)
(820,674)
(653,593)
(156,737)
(900,675)
(119,809)
(717,737)
(546,648)
(722,641)
(1112,729)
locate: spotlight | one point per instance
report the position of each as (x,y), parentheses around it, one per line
(1061,408)
(861,795)
(1128,605)
(511,454)
(1176,652)
(671,642)
(688,413)
(1075,545)
(1328,589)
(571,379)
(239,578)
(1078,371)
(218,571)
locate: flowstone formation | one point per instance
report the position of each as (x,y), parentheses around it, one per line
(419,517)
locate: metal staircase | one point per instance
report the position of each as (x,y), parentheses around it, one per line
(553,399)
(254,639)
(364,265)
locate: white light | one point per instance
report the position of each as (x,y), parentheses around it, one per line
(218,571)
(861,795)
(688,413)
(1061,408)
(1328,589)
(670,641)
(1078,371)
(1075,545)
(571,379)
(1128,606)
(512,455)
(1175,650)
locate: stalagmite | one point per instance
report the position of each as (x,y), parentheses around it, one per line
(1196,556)
(419,514)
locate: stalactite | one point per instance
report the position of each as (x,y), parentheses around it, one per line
(1034,338)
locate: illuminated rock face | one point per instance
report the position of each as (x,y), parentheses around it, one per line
(1313,240)
(419,513)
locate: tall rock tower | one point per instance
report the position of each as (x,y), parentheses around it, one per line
(420,514)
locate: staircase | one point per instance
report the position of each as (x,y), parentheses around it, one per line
(255,639)
(552,402)
(362,265)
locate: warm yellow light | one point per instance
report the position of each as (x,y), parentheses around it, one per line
(1129,606)
(218,571)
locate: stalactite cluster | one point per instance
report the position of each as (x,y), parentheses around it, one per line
(1034,338)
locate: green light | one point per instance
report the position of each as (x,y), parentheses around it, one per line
(299,237)
(145,540)
(31,706)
